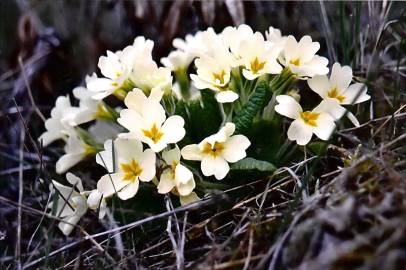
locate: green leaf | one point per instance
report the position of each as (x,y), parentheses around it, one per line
(202,117)
(317,148)
(253,164)
(259,98)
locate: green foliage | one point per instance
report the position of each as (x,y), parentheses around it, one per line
(317,148)
(202,117)
(349,31)
(259,98)
(266,138)
(247,164)
(88,139)
(147,202)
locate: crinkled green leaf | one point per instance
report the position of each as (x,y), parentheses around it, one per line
(259,98)
(253,164)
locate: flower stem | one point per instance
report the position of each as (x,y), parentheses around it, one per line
(106,112)
(184,83)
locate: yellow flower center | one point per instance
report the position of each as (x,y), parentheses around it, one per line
(214,150)
(295,62)
(333,93)
(131,170)
(115,84)
(173,168)
(154,133)
(219,76)
(310,118)
(174,164)
(256,65)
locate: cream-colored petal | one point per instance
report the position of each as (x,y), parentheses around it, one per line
(182,174)
(136,100)
(111,183)
(332,107)
(308,48)
(153,113)
(185,189)
(320,84)
(288,106)
(173,129)
(226,96)
(94,199)
(109,65)
(101,87)
(202,84)
(300,132)
(74,181)
(129,190)
(223,134)
(216,166)
(191,152)
(356,93)
(83,116)
(68,223)
(49,136)
(317,66)
(105,158)
(148,165)
(325,126)
(156,147)
(64,209)
(65,191)
(191,198)
(127,149)
(166,182)
(132,121)
(341,76)
(353,119)
(249,75)
(171,156)
(234,148)
(291,49)
(156,94)
(67,161)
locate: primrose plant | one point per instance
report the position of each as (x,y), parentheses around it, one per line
(179,127)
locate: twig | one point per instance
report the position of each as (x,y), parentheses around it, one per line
(389,144)
(20,199)
(33,211)
(231,264)
(33,104)
(177,246)
(395,115)
(250,245)
(327,32)
(132,225)
(387,120)
(275,248)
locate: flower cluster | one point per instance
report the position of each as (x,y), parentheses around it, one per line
(143,139)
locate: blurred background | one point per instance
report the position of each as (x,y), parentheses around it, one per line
(47,47)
